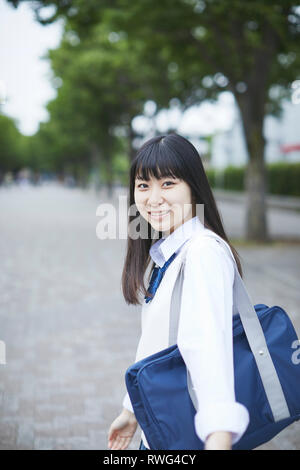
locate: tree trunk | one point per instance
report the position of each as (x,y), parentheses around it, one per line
(256,188)
(251,105)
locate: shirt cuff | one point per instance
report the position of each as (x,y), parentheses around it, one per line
(127,403)
(230,417)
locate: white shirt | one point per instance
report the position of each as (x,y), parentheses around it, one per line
(205,338)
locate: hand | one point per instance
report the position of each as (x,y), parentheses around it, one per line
(219,440)
(122,430)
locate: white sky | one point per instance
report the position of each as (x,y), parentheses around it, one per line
(24,77)
(22,43)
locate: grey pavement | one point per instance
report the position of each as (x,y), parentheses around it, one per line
(272,200)
(69,334)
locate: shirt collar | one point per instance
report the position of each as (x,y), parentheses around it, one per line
(161,250)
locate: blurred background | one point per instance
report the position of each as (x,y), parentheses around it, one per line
(82,85)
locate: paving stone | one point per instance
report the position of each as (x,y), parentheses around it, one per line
(8,433)
(25,436)
(43,443)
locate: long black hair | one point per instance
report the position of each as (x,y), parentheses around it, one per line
(162,156)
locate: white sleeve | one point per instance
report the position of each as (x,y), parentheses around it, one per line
(138,356)
(127,403)
(205,339)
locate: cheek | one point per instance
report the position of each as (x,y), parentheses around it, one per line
(137,196)
(182,196)
(139,199)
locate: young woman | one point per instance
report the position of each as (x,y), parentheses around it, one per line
(168,185)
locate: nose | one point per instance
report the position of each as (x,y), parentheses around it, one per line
(155,196)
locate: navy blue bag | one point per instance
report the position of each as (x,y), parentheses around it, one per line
(266,369)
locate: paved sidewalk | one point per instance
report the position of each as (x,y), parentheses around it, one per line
(70,335)
(273,201)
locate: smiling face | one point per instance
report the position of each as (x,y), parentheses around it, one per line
(165,203)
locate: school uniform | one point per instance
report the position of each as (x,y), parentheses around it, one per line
(205,325)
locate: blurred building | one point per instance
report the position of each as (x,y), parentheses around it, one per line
(282,140)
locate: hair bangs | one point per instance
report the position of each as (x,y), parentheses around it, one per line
(157,161)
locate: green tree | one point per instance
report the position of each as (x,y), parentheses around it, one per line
(104,86)
(13,146)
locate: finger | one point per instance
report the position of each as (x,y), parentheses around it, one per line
(111,438)
(126,443)
(122,442)
(119,443)
(116,443)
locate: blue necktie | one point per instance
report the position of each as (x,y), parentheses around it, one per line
(156,277)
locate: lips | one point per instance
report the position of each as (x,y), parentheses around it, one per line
(158,215)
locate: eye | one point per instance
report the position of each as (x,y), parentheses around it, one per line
(144,184)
